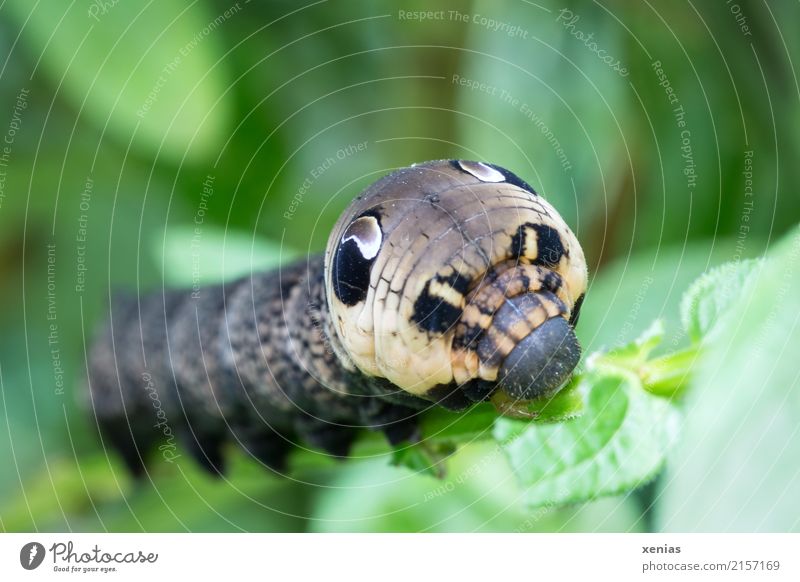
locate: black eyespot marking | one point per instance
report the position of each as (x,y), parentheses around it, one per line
(357,250)
(549,247)
(576,311)
(517,249)
(433,312)
(457,281)
(512,178)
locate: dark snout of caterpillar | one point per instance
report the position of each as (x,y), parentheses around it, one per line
(529,345)
(542,362)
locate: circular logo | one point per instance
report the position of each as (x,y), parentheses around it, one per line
(31,555)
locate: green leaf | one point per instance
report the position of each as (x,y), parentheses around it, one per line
(712,295)
(151,73)
(618,444)
(669,375)
(424,458)
(478,494)
(441,425)
(736,467)
(63,489)
(442,431)
(192,256)
(666,375)
(635,353)
(565,404)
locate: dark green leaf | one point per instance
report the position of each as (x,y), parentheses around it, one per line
(151,72)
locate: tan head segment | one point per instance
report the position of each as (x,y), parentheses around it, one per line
(437,272)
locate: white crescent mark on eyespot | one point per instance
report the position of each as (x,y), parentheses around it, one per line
(366,233)
(481,171)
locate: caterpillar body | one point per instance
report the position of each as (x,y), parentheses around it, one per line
(443,284)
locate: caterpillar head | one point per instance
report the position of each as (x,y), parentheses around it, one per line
(455,281)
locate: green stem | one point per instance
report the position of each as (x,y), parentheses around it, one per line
(669,375)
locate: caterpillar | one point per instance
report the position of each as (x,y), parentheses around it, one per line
(446,283)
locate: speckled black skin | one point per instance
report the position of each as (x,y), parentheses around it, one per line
(191,371)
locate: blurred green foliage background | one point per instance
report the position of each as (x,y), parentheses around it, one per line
(114,113)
